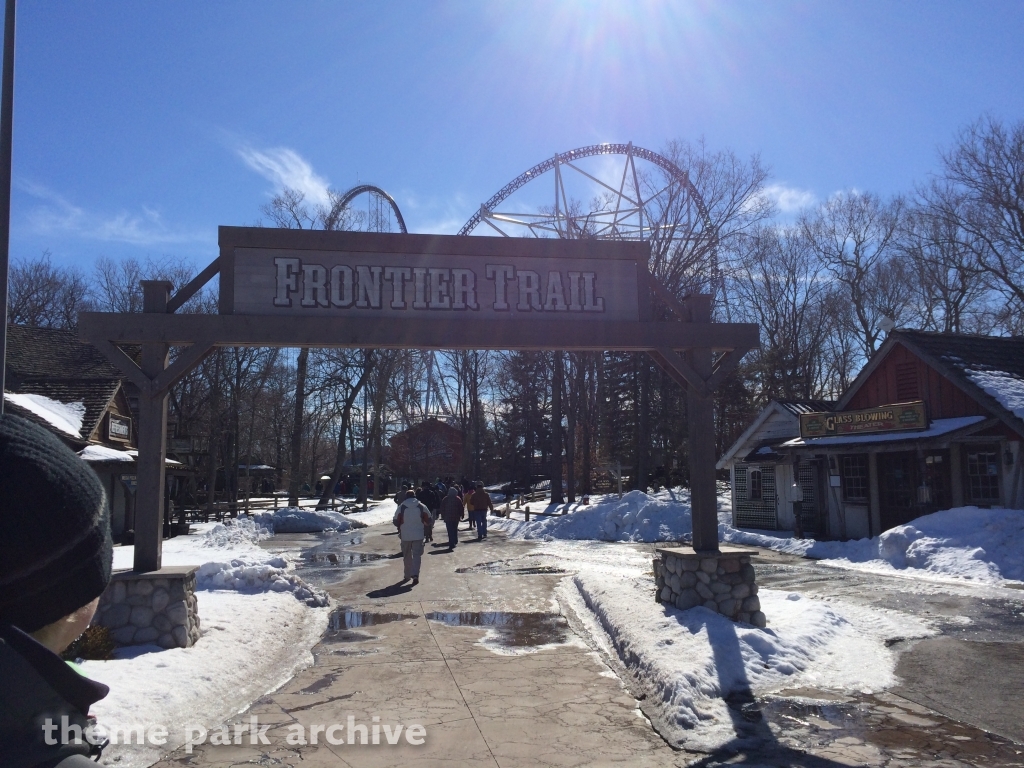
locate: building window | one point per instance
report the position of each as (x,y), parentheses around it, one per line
(906,382)
(983,476)
(754,492)
(855,478)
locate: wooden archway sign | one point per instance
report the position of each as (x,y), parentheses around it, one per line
(300,288)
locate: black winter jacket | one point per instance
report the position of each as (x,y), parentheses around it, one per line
(37,684)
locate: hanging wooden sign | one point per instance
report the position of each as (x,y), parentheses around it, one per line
(374,275)
(885,418)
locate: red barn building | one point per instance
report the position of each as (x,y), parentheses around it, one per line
(427,450)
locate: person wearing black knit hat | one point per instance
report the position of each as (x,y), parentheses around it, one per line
(55,561)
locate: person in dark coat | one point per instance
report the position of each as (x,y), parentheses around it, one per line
(452,512)
(55,563)
(427,496)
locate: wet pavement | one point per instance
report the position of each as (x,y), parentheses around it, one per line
(483,657)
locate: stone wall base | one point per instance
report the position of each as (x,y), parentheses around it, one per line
(721,581)
(151,608)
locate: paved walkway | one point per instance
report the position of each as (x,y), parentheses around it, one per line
(558,706)
(532,693)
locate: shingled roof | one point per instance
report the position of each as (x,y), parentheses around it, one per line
(989,368)
(52,353)
(56,364)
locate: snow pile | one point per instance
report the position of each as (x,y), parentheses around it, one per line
(637,516)
(966,543)
(251,645)
(247,575)
(376,513)
(232,534)
(67,417)
(688,662)
(229,557)
(299,520)
(1006,388)
(983,545)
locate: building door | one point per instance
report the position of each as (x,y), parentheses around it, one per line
(755,496)
(912,484)
(809,507)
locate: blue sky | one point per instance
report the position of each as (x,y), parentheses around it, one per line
(140,127)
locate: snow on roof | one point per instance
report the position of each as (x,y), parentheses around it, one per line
(937,428)
(169,462)
(1006,388)
(103,453)
(67,417)
(100,453)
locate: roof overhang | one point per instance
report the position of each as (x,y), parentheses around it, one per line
(749,432)
(940,431)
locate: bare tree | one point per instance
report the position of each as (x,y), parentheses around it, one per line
(781,285)
(951,287)
(289,210)
(856,236)
(45,295)
(985,199)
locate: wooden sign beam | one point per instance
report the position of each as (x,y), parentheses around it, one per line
(297,288)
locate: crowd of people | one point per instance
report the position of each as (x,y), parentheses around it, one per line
(420,508)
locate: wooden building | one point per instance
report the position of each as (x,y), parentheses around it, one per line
(933,421)
(427,450)
(68,387)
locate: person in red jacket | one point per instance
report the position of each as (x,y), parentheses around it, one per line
(481,503)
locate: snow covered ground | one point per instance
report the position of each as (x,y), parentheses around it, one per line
(686,663)
(259,621)
(377,512)
(963,544)
(985,546)
(251,644)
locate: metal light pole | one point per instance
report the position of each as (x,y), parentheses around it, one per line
(6,137)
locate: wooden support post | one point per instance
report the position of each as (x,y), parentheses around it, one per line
(956,478)
(874,497)
(150,467)
(701,434)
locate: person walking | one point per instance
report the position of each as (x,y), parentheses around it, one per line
(412,519)
(400,495)
(481,501)
(452,512)
(427,496)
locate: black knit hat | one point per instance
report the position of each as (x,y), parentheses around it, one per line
(55,547)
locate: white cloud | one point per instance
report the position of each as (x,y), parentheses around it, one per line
(789,199)
(57,215)
(286,168)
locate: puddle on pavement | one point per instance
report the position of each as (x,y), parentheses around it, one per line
(894,726)
(344,559)
(346,619)
(512,630)
(332,559)
(507,567)
(344,626)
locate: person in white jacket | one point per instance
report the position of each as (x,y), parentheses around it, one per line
(412,518)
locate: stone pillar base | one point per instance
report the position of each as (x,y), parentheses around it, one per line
(158,608)
(721,581)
